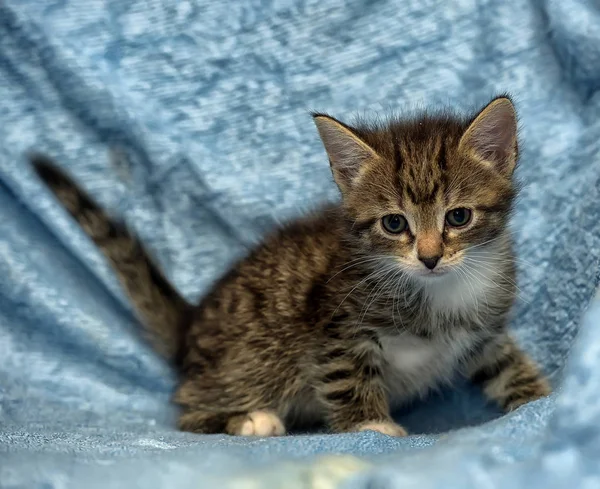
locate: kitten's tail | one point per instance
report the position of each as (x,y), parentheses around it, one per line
(163,311)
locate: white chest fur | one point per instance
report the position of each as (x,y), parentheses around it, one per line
(414,364)
(408,353)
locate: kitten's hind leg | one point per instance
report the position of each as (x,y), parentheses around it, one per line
(206,410)
(202,422)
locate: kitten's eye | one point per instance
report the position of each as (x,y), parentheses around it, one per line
(394,223)
(458,217)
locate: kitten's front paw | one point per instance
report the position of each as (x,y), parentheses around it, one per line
(258,423)
(521,394)
(385,427)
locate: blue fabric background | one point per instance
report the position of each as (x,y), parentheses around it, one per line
(190,120)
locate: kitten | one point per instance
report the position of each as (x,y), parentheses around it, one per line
(339,316)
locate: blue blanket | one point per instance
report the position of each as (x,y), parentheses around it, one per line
(189,118)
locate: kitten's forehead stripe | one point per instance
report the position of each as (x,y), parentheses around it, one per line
(441,159)
(420,162)
(397,153)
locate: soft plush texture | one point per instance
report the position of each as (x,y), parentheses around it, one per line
(190,120)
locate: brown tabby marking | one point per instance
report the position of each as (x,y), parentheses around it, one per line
(338,316)
(509,376)
(163,310)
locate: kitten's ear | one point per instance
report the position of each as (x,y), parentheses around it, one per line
(347,152)
(492,136)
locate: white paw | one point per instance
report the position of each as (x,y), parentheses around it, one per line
(385,427)
(262,423)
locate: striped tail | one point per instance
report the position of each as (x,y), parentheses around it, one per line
(162,310)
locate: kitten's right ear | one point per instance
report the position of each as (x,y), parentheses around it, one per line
(347,152)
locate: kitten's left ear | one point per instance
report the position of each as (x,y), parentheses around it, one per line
(347,152)
(492,136)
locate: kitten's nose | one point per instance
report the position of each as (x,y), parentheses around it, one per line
(430,262)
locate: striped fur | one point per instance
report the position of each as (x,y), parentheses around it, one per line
(162,310)
(333,318)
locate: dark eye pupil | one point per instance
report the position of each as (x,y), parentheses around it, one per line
(394,223)
(459,215)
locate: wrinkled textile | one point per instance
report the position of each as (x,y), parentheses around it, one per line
(190,119)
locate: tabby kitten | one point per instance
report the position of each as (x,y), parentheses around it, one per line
(339,316)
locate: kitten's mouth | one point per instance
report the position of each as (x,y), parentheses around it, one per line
(433,273)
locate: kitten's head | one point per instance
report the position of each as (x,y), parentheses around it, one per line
(429,191)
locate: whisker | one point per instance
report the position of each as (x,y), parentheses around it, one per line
(500,257)
(358,261)
(463,274)
(396,305)
(375,288)
(376,273)
(519,292)
(470,273)
(491,268)
(492,240)
(376,294)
